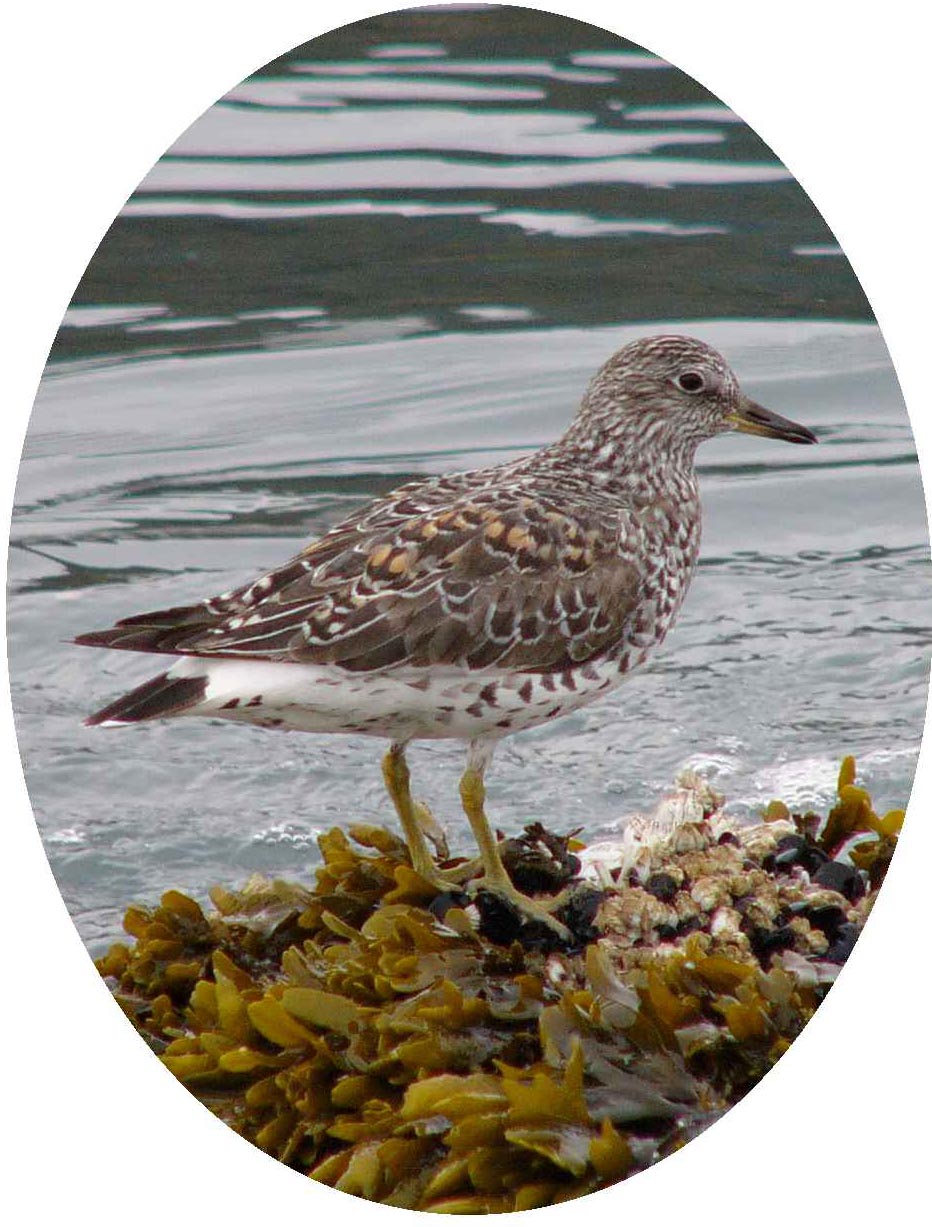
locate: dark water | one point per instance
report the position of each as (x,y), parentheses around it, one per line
(401,249)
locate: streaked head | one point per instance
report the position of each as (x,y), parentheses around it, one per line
(679,391)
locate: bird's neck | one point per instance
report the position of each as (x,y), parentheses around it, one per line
(640,464)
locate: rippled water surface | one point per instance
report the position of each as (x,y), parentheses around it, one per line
(401,249)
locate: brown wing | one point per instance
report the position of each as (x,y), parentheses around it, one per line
(428,576)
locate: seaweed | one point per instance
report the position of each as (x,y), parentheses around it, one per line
(392,1049)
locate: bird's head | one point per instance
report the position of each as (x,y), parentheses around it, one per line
(673,392)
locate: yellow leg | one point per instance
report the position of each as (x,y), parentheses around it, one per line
(437,836)
(495,878)
(411,816)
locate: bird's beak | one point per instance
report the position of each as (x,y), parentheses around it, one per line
(753,419)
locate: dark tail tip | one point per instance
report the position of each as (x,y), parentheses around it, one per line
(161,696)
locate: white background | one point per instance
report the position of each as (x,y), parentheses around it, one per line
(93,93)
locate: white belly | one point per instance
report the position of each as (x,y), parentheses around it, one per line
(398,704)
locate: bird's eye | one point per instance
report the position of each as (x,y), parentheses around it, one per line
(690,381)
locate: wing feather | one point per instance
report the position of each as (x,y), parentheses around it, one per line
(432,575)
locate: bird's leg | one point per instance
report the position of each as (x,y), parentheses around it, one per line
(495,877)
(437,836)
(411,816)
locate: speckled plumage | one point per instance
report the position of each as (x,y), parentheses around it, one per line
(473,604)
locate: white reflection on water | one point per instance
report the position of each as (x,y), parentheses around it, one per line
(464,68)
(303,92)
(424,173)
(226,131)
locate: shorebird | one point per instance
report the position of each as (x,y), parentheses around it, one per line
(470,605)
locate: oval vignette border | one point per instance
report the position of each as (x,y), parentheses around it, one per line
(116,1107)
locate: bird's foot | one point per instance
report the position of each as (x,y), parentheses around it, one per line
(537,911)
(462,874)
(554,903)
(443,881)
(462,881)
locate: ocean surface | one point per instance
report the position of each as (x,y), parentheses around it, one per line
(401,249)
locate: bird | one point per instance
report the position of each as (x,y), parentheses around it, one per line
(470,605)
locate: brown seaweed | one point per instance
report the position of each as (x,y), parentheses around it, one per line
(408,1059)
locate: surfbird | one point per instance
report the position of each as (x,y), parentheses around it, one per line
(470,605)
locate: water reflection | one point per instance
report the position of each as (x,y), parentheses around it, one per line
(643,196)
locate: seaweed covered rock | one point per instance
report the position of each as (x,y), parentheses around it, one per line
(395,1050)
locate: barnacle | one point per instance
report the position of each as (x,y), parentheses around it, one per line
(409,1059)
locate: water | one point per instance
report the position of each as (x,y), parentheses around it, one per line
(404,248)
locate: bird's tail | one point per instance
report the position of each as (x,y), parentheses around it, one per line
(160,696)
(163,630)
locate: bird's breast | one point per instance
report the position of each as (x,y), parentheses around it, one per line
(663,551)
